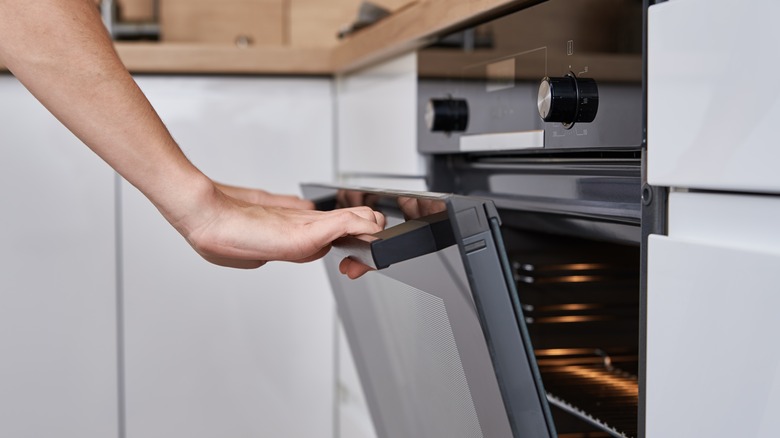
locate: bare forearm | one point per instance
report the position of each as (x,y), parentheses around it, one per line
(61,52)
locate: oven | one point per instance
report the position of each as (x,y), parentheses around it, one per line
(509,301)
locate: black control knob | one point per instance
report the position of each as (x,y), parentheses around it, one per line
(447,115)
(587,100)
(568,100)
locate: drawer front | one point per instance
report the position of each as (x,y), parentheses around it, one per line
(712,124)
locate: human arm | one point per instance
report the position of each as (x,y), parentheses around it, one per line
(61,52)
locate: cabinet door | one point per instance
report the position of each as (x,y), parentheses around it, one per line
(713,366)
(218,352)
(712,119)
(377,120)
(58,368)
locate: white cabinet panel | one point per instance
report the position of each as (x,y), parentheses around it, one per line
(58,351)
(712,117)
(218,352)
(744,221)
(713,367)
(377,120)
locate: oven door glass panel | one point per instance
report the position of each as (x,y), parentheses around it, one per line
(439,339)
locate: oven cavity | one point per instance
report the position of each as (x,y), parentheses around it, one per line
(580,302)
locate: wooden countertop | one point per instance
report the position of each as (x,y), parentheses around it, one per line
(203,58)
(405,30)
(191,58)
(409,28)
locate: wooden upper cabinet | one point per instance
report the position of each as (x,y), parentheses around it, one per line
(256,22)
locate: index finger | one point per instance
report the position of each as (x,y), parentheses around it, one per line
(346,222)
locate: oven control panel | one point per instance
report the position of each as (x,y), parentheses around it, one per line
(555,75)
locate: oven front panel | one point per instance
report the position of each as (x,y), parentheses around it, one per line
(480,90)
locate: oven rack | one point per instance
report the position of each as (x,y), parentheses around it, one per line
(579,413)
(599,415)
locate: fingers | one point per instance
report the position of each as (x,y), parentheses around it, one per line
(368,213)
(352,221)
(347,221)
(380,219)
(363,212)
(352,268)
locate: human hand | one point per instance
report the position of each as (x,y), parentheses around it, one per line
(412,208)
(353,268)
(231,232)
(266,199)
(346,199)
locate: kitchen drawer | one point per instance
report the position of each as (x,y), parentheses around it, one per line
(712,304)
(712,121)
(713,366)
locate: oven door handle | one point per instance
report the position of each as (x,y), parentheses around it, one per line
(413,238)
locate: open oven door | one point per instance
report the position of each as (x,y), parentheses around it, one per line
(436,330)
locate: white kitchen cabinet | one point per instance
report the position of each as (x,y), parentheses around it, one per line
(712,363)
(377,120)
(218,352)
(711,116)
(58,337)
(713,366)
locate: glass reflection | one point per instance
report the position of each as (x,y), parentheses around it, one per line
(400,207)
